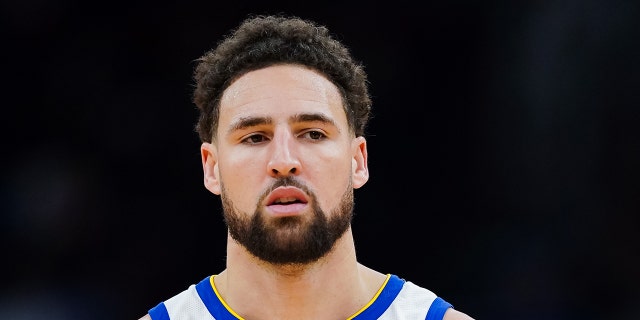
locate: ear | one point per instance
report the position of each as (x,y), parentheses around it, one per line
(209,156)
(359,167)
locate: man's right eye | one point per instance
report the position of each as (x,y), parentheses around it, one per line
(254,139)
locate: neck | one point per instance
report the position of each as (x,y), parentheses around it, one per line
(335,287)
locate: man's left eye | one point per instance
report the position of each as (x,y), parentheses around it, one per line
(315,135)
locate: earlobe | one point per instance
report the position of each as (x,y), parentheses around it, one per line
(360,167)
(210,167)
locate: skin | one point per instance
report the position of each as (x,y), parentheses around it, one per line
(323,156)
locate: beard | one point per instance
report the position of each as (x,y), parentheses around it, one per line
(293,240)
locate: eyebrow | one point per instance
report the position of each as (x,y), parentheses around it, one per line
(312,117)
(247,122)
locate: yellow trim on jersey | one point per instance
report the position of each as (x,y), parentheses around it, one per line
(213,285)
(384,284)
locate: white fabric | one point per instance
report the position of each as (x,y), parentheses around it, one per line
(405,306)
(187,305)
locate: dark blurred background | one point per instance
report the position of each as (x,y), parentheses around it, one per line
(504,153)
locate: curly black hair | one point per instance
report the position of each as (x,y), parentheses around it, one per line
(264,40)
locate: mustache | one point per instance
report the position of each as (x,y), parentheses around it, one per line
(287,182)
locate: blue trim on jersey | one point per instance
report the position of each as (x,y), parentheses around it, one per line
(159,312)
(384,300)
(211,301)
(437,309)
(374,311)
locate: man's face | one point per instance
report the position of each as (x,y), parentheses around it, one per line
(285,164)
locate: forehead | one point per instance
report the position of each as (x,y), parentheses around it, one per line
(281,89)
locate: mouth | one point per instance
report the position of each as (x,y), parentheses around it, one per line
(286,201)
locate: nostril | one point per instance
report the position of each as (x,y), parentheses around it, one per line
(277,172)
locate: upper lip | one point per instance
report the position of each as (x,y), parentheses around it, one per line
(284,195)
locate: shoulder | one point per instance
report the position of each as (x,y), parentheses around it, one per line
(146,317)
(437,303)
(453,314)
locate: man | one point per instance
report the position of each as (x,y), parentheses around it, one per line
(283,110)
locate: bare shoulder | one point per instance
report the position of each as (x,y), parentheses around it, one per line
(453,314)
(146,317)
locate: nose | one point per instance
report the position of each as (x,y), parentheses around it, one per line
(284,160)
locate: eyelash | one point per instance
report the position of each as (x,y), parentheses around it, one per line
(249,139)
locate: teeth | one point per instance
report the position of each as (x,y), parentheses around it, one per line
(285,200)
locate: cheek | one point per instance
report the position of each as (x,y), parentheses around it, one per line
(241,180)
(330,180)
(241,164)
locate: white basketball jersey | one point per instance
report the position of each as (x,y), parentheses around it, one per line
(397,300)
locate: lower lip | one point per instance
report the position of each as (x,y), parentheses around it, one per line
(286,210)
